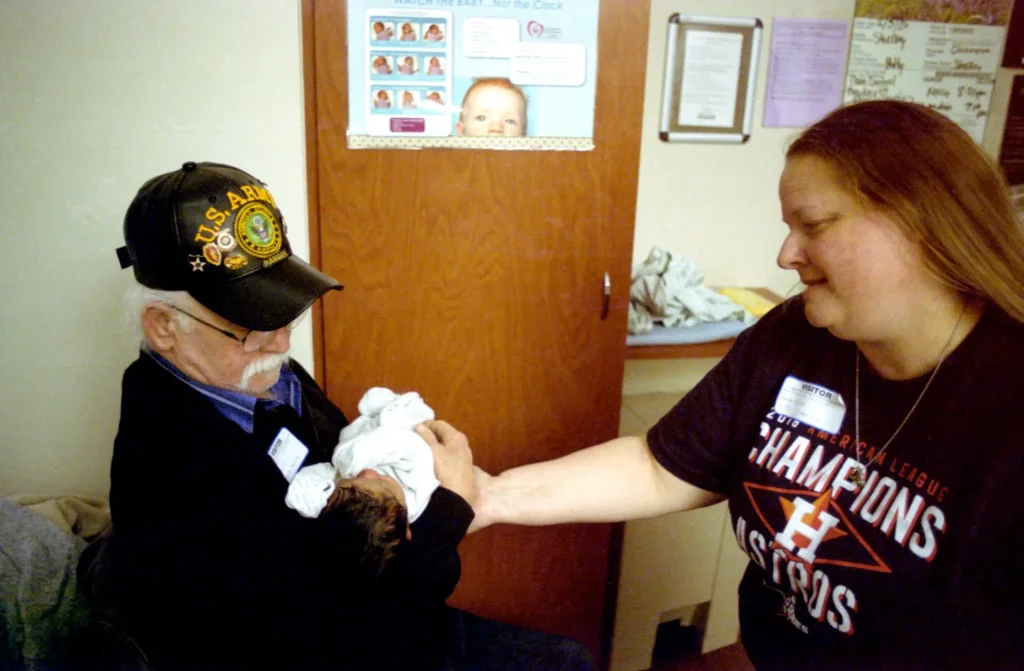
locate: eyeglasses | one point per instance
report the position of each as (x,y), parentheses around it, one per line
(249,343)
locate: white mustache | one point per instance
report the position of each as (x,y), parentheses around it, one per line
(260,365)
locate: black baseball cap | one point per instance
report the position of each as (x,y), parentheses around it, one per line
(215,231)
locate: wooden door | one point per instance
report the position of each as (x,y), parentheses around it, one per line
(476,278)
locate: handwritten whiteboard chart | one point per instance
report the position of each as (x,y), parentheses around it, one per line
(950,67)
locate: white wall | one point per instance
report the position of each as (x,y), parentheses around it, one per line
(96,96)
(717,204)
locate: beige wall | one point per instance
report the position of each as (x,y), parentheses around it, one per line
(717,204)
(96,96)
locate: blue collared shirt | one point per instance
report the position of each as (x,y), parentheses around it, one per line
(238,406)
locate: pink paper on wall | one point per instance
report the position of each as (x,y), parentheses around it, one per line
(805,70)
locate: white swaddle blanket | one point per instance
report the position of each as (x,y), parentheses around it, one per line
(382,439)
(669,288)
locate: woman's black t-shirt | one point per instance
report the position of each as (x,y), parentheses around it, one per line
(918,568)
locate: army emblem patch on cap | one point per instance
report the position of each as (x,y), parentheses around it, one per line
(225,241)
(212,253)
(236,261)
(257,231)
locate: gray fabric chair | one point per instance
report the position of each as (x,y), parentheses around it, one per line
(52,614)
(42,612)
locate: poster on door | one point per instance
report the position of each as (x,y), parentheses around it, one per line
(941,54)
(477,74)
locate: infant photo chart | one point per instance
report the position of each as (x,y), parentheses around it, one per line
(407,84)
(515,77)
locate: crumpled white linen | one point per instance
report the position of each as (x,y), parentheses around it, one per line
(382,439)
(669,288)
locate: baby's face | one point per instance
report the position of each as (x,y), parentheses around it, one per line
(492,110)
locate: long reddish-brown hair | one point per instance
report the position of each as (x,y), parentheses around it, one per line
(930,178)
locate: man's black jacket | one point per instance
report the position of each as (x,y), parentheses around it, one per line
(213,570)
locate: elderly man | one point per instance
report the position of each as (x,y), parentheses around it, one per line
(207,564)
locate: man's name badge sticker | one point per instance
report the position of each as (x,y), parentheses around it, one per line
(811,403)
(288,453)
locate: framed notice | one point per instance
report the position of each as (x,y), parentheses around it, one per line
(710,71)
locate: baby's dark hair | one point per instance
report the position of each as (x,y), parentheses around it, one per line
(374,523)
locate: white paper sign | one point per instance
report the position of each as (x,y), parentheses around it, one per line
(489,38)
(711,75)
(549,63)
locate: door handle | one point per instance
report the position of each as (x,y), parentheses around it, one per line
(607,296)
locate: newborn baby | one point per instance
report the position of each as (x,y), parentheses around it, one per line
(379,481)
(380,442)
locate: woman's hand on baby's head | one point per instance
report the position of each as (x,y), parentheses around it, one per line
(443,437)
(453,459)
(440,434)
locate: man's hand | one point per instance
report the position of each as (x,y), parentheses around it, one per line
(453,460)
